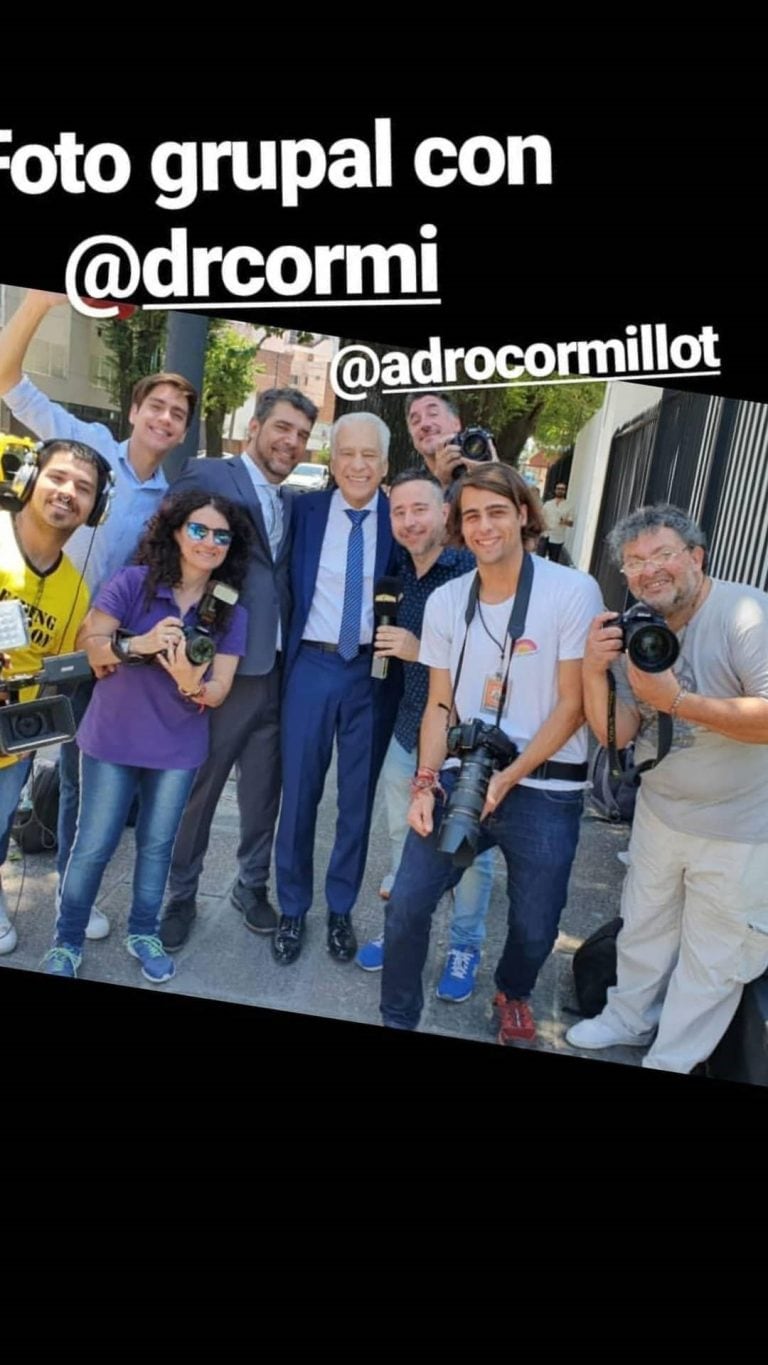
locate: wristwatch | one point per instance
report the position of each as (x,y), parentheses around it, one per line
(119,641)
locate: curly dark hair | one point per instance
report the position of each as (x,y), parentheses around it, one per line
(160,552)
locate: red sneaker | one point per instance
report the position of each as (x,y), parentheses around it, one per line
(515,1020)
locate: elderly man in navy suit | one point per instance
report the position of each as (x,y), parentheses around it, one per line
(245,732)
(342,545)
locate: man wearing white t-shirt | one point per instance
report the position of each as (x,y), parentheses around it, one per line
(503,647)
(558,518)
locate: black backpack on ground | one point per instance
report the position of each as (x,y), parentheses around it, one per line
(594,968)
(34,829)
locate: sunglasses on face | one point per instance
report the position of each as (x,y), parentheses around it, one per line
(198,532)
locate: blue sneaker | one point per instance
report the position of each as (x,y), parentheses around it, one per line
(61,961)
(371,955)
(156,965)
(458,980)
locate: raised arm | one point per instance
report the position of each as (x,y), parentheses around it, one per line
(19,331)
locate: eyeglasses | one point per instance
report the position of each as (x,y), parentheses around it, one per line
(633,566)
(197,531)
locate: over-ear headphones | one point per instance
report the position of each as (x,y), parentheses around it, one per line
(20,466)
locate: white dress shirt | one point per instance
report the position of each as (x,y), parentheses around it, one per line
(324,619)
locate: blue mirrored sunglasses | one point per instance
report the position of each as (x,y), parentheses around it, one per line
(197,531)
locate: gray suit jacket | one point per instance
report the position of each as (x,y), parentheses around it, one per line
(267,587)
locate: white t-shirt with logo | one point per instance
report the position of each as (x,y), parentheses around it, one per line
(562,606)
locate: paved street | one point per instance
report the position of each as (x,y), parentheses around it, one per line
(224,961)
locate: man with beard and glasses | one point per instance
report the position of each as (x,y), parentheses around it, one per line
(694,903)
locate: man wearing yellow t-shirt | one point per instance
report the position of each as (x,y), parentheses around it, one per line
(69,479)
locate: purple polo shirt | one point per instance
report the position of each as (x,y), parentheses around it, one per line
(137,716)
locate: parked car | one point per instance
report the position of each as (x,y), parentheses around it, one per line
(308,478)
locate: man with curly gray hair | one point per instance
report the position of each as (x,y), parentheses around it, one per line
(694,903)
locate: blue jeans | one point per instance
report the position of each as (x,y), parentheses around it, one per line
(537,831)
(12,780)
(474,890)
(106,793)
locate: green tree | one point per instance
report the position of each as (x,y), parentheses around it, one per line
(228,379)
(553,413)
(135,347)
(230,370)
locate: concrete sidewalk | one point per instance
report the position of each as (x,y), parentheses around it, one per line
(223,960)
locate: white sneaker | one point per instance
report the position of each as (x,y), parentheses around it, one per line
(595,1033)
(98,925)
(8,936)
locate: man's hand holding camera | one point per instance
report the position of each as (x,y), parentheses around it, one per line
(604,644)
(447,457)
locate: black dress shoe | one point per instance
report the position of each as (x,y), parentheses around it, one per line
(288,939)
(176,924)
(258,914)
(342,943)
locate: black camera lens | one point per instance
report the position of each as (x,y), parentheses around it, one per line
(476,445)
(653,648)
(30,725)
(200,649)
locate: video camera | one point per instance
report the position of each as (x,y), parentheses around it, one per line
(647,638)
(475,443)
(46,720)
(484,749)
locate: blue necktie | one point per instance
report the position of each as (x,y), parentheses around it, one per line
(349,634)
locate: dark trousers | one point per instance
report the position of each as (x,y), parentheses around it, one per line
(69,779)
(537,831)
(327,699)
(245,734)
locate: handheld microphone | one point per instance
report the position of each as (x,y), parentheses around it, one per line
(386,595)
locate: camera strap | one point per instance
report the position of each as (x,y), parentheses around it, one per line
(515,628)
(632,773)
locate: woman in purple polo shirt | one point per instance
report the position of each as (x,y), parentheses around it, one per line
(146,729)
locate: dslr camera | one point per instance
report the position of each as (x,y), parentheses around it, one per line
(483,749)
(46,720)
(199,643)
(647,638)
(474,442)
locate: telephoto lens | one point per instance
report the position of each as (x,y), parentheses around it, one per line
(484,749)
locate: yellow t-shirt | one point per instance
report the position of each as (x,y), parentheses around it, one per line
(54,603)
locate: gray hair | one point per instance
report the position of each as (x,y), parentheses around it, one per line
(651,519)
(382,430)
(431,393)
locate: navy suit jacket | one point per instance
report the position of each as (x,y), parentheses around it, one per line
(267,589)
(310,521)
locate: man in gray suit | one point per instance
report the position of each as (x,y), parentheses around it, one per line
(245,731)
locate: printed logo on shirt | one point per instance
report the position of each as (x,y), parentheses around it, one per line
(526,646)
